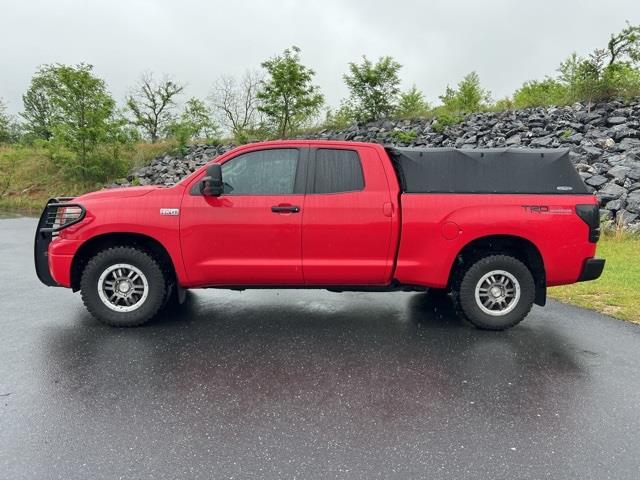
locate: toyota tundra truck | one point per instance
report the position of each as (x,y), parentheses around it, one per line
(492,227)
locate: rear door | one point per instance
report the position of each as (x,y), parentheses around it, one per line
(251,234)
(347,219)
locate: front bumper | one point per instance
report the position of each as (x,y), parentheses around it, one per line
(591,269)
(46,231)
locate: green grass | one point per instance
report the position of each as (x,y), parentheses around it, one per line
(28,176)
(617,291)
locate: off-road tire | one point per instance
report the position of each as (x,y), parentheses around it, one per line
(101,261)
(464,292)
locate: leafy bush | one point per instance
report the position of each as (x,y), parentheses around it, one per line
(105,162)
(4,124)
(621,80)
(541,93)
(468,97)
(412,104)
(194,123)
(8,167)
(402,136)
(589,79)
(502,105)
(341,118)
(444,118)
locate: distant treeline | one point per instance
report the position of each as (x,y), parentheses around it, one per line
(69,111)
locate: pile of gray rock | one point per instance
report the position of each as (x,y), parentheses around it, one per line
(170,168)
(603,139)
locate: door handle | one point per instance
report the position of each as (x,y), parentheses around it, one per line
(285,209)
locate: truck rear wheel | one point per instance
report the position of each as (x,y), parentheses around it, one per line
(495,293)
(123,286)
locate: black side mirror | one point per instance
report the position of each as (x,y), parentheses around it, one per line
(211,185)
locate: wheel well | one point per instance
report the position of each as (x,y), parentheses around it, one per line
(101,242)
(517,247)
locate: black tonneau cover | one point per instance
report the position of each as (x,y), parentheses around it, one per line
(495,170)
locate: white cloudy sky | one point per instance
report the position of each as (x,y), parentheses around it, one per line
(436,41)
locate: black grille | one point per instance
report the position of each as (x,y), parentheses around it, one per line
(59,213)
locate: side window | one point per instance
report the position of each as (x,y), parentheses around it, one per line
(337,171)
(263,172)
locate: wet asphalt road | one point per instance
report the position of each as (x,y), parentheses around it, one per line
(306,384)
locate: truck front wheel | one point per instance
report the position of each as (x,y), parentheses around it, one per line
(123,286)
(495,293)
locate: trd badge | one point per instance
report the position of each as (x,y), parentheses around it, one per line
(170,211)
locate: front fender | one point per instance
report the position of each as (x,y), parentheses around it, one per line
(139,215)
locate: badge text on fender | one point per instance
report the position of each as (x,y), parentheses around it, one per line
(170,211)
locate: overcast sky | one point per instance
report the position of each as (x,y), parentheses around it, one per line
(436,41)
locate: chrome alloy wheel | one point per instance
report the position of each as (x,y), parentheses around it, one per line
(497,293)
(123,287)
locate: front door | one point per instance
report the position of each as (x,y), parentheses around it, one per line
(251,234)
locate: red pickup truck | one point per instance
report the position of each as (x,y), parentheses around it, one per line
(493,227)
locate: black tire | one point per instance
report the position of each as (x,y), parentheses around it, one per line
(140,260)
(468,307)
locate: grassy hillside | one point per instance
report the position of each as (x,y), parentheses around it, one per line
(28,175)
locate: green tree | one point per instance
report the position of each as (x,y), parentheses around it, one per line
(594,78)
(607,72)
(83,123)
(195,122)
(40,113)
(624,46)
(152,105)
(373,88)
(568,69)
(288,96)
(200,118)
(468,97)
(86,108)
(412,104)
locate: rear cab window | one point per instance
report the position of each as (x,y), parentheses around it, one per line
(337,171)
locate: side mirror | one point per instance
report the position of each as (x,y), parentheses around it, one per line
(211,185)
